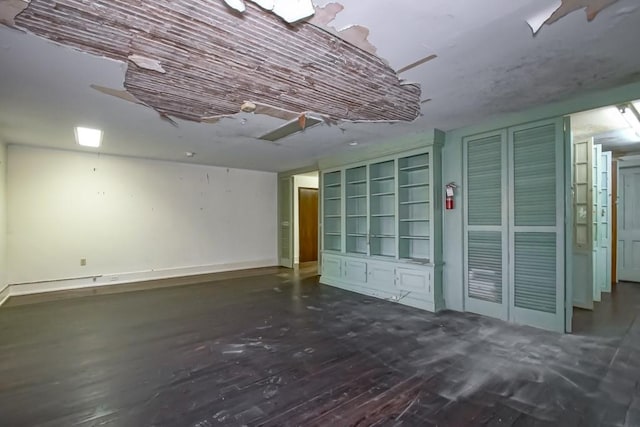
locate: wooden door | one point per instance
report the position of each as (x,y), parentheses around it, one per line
(308,223)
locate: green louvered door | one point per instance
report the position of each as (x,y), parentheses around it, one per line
(536,224)
(485,166)
(514,224)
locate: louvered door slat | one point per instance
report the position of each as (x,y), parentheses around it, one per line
(484,178)
(535,176)
(535,271)
(485,265)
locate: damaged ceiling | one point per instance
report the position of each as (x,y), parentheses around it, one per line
(193,60)
(369,71)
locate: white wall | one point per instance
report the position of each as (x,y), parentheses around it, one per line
(3,219)
(299,181)
(133,218)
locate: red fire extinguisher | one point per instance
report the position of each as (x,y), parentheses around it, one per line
(448,201)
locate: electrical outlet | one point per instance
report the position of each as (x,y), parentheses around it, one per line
(83,262)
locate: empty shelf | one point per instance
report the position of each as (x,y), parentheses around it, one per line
(414,168)
(416,202)
(422,184)
(382,178)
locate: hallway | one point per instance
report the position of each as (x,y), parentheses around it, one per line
(611,317)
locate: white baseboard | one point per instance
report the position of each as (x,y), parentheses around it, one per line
(132,277)
(4,295)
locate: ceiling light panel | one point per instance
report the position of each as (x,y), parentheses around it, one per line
(88,137)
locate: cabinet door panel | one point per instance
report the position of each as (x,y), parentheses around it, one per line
(331,266)
(413,280)
(382,275)
(355,271)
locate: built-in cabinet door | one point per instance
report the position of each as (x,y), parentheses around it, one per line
(332,266)
(380,274)
(514,224)
(355,271)
(413,280)
(485,167)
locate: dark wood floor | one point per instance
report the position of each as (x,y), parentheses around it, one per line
(613,315)
(279,349)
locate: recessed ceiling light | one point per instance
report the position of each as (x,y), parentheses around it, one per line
(631,116)
(88,137)
(353,143)
(189,154)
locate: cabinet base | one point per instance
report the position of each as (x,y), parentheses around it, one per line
(409,298)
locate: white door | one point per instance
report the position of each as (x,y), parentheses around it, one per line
(629,225)
(582,224)
(605,222)
(285,221)
(596,199)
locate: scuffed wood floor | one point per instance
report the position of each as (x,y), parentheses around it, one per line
(279,349)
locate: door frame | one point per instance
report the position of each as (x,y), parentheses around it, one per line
(284,262)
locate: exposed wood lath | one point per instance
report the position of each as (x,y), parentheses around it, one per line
(215,60)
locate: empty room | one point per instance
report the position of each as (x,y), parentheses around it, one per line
(314,212)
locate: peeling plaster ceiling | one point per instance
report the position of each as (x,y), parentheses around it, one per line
(196,60)
(470,61)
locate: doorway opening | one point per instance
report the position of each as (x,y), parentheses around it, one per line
(606,225)
(305,223)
